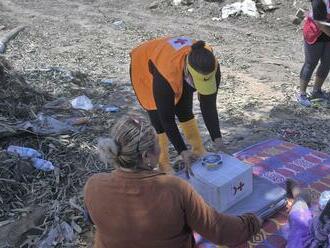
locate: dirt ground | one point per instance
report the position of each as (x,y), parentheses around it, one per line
(260,61)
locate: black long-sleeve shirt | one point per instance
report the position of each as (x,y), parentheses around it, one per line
(165,101)
(320,14)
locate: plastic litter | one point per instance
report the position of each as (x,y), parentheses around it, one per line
(182,2)
(35,156)
(59,233)
(42,164)
(231,9)
(267,5)
(82,102)
(117,23)
(24,152)
(247,7)
(216,19)
(46,125)
(108,108)
(111,109)
(107,81)
(324,198)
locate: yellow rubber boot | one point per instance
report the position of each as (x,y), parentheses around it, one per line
(193,136)
(164,160)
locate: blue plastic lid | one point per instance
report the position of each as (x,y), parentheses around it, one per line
(212,159)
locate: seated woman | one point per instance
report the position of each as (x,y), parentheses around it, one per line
(138,206)
(306,230)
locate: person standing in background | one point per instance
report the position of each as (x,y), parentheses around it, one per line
(317,49)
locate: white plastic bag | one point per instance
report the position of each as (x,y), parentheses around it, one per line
(82,102)
(247,7)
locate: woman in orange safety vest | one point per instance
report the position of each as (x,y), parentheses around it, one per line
(165,73)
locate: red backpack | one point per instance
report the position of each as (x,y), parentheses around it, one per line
(311,31)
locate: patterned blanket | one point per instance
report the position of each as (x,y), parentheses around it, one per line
(276,161)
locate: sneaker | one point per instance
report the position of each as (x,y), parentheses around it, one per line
(303,100)
(318,95)
(325,214)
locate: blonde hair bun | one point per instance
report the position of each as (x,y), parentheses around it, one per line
(108,149)
(129,138)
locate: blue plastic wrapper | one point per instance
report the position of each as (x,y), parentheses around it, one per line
(111,109)
(107,81)
(24,152)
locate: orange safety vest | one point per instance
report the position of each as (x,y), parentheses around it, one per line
(168,55)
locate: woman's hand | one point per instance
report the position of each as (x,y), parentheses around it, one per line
(219,145)
(324,28)
(188,158)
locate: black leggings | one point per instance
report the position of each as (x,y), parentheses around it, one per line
(183,110)
(320,51)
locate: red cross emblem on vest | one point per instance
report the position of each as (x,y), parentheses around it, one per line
(181,41)
(239,188)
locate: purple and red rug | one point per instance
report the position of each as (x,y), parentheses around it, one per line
(277,160)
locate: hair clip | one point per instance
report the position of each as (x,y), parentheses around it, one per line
(136,119)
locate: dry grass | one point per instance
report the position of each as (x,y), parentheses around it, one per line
(22,186)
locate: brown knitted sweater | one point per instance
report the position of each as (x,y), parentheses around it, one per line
(151,209)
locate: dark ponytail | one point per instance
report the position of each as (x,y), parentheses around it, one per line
(198,45)
(201,58)
(319,10)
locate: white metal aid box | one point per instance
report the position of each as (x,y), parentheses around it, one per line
(225,185)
